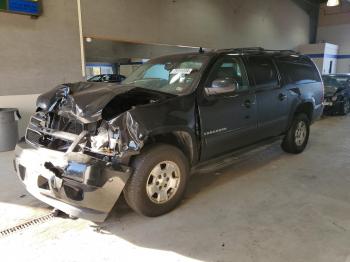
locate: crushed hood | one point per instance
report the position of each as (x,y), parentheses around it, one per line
(87,101)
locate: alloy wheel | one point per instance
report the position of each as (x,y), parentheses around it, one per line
(300,133)
(163,182)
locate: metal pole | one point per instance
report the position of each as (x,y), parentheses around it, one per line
(82,53)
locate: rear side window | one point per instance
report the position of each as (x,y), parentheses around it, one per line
(263,71)
(297,70)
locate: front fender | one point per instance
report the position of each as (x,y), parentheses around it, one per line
(175,116)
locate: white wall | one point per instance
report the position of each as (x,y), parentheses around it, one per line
(310,49)
(334,27)
(38,54)
(340,35)
(113,51)
(207,23)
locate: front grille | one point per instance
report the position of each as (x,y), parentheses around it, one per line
(56,132)
(33,136)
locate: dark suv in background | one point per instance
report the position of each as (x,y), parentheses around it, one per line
(337,94)
(89,142)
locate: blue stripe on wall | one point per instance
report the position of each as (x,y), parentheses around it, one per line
(328,56)
(343,56)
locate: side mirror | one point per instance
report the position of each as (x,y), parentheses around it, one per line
(222,86)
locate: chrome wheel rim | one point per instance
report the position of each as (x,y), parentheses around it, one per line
(163,182)
(300,133)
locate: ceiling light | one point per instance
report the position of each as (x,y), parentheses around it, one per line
(333,3)
(88,39)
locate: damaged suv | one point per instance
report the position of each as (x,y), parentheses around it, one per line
(89,142)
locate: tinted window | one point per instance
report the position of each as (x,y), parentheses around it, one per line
(263,71)
(297,70)
(229,68)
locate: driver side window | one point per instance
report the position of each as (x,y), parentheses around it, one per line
(228,72)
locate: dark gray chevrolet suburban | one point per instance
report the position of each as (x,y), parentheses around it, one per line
(89,142)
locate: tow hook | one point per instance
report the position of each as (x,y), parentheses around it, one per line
(56,180)
(56,170)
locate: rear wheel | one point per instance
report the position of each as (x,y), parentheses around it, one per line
(158,182)
(297,136)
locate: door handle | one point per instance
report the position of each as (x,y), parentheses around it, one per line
(247,103)
(282,96)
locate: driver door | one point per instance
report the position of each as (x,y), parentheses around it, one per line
(228,117)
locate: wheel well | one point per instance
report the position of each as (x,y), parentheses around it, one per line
(180,139)
(306,108)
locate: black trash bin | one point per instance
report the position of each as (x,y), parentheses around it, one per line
(8,128)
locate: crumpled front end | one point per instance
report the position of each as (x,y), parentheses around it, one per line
(79,168)
(72,166)
(78,146)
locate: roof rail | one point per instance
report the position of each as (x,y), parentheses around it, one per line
(247,49)
(258,50)
(282,51)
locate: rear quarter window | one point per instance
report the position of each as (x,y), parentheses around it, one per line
(298,70)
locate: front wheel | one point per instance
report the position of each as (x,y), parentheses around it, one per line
(297,136)
(158,182)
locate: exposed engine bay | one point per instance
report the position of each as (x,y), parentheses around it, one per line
(92,119)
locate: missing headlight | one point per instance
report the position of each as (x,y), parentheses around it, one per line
(106,141)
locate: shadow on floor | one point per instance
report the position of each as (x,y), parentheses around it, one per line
(191,229)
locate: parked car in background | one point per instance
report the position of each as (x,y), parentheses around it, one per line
(108,78)
(89,142)
(337,94)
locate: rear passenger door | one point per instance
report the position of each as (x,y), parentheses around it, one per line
(272,99)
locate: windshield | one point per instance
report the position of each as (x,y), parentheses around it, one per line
(336,81)
(177,74)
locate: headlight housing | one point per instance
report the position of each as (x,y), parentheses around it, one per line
(334,98)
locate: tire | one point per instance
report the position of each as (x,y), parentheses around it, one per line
(159,160)
(297,136)
(346,107)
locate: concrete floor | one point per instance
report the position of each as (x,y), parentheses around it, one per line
(268,206)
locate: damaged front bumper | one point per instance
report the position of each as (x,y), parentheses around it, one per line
(84,187)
